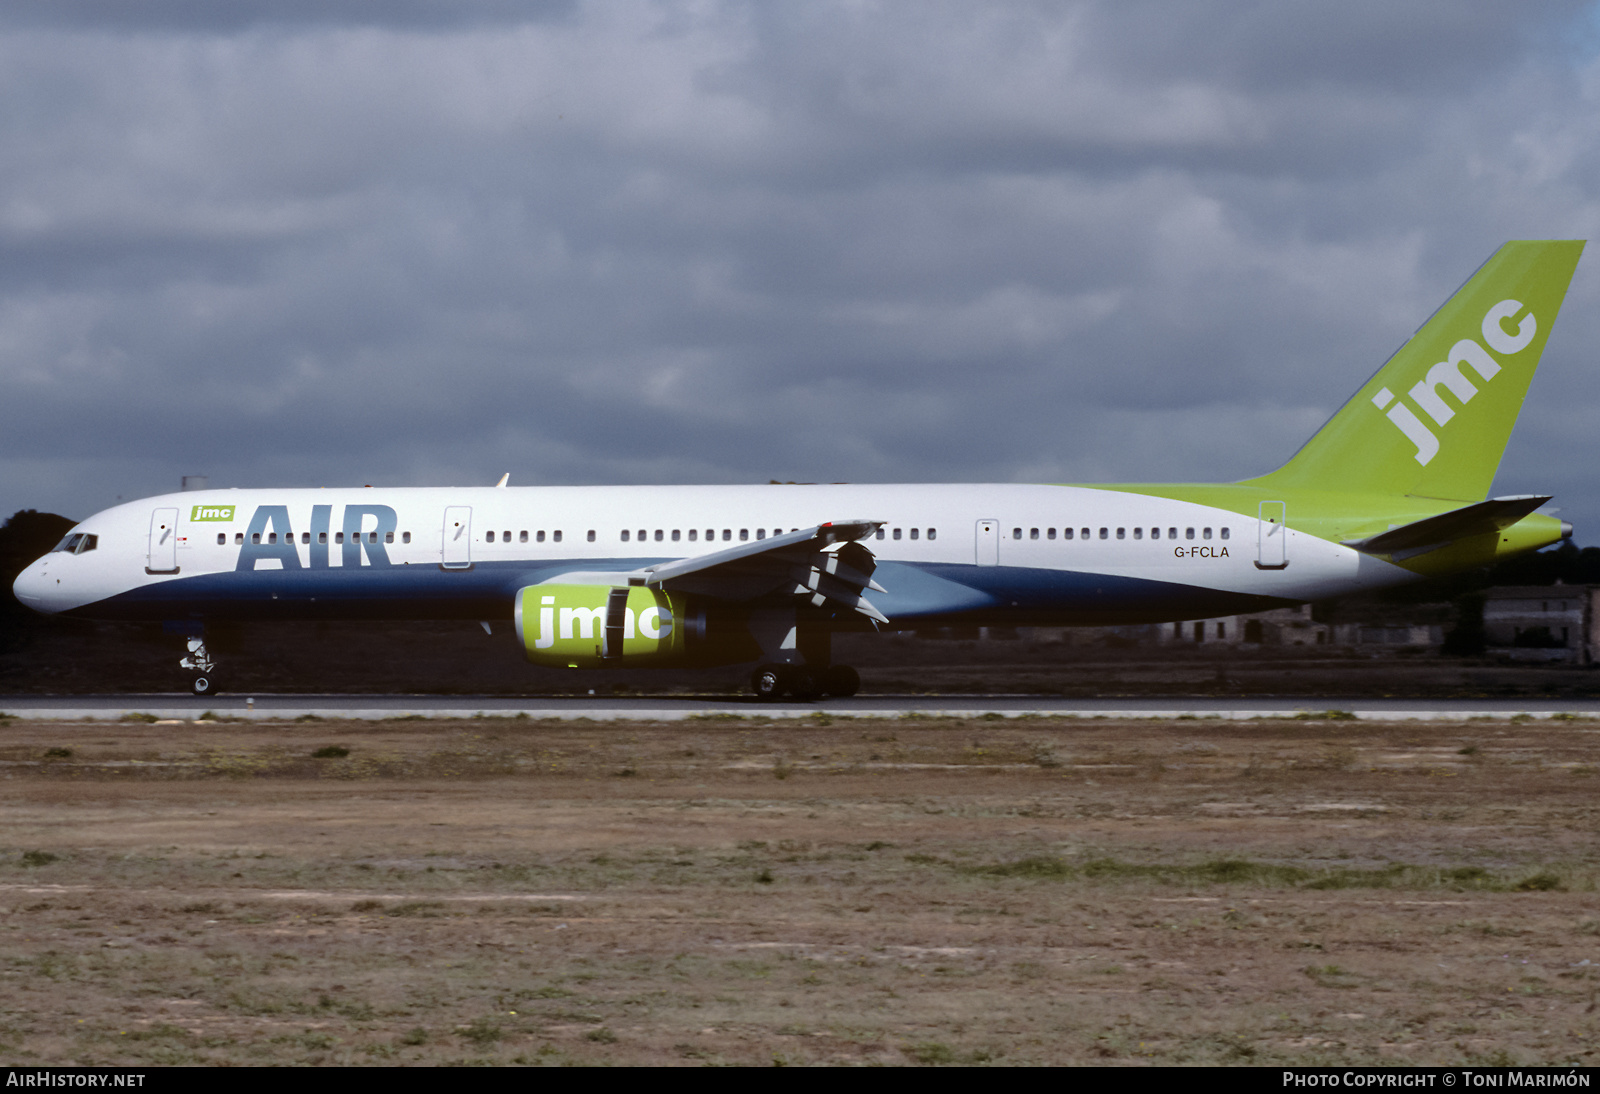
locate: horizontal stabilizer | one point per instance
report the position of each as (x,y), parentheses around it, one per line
(1420,536)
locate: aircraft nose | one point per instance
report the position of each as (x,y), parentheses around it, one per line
(33,587)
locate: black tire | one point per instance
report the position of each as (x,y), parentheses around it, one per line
(204,684)
(803,685)
(841,681)
(769,682)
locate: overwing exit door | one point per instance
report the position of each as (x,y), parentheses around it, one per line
(987,543)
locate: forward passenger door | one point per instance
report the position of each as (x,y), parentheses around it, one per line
(456,553)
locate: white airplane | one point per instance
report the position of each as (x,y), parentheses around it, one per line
(1394,488)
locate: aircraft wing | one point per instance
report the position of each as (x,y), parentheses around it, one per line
(825,564)
(1431,533)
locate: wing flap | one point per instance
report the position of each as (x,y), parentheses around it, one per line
(826,565)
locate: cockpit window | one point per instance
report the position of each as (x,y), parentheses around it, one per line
(77,543)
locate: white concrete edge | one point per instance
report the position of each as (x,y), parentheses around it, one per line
(103,716)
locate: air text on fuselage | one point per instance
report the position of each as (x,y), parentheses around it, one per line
(364,531)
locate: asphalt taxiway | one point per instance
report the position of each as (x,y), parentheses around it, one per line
(666,708)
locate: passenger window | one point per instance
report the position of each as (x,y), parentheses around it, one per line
(372,537)
(727,534)
(238,538)
(405,537)
(880,533)
(491,537)
(660,535)
(1016,533)
(1066,533)
(222,537)
(1205,533)
(1049,533)
(897,533)
(1122,533)
(388,537)
(933,533)
(744,535)
(255,537)
(1172,533)
(624,535)
(641,535)
(338,537)
(694,534)
(1155,533)
(305,537)
(590,536)
(1138,533)
(522,536)
(675,535)
(539,536)
(322,537)
(1084,533)
(1033,533)
(1103,533)
(761,533)
(272,537)
(1188,533)
(1224,533)
(556,536)
(913,533)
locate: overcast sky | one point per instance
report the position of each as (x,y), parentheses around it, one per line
(424,243)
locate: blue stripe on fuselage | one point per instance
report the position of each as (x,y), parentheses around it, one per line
(917,592)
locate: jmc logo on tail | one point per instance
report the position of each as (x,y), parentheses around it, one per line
(1447,374)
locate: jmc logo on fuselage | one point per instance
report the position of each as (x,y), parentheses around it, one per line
(1447,374)
(211,512)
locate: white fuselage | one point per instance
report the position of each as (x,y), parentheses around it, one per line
(1063,553)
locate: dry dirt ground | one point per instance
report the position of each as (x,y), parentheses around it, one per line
(844,892)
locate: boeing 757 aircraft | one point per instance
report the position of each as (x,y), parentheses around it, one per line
(1392,489)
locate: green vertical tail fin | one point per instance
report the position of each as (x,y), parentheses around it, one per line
(1434,420)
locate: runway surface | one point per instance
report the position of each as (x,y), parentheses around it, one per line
(267,707)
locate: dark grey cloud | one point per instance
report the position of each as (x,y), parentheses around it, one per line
(201,17)
(427,243)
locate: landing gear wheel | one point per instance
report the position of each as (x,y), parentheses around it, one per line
(204,684)
(841,681)
(768,682)
(803,685)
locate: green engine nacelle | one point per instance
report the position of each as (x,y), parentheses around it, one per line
(602,626)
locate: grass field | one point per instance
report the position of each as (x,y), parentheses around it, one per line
(819,891)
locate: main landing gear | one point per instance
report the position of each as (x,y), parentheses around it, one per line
(804,683)
(200,663)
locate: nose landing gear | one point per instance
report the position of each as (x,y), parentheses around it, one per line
(200,663)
